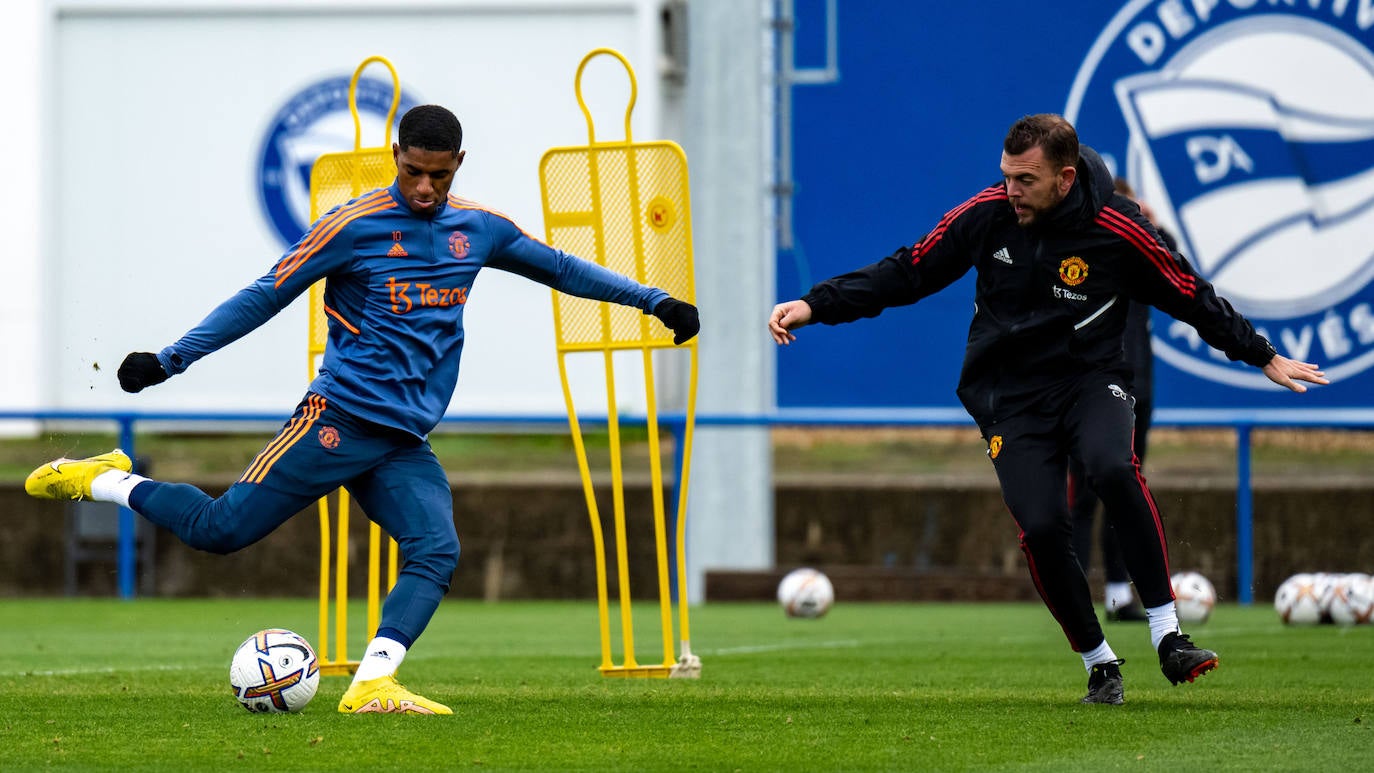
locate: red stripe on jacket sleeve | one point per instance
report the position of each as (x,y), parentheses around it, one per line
(1146,244)
(927,244)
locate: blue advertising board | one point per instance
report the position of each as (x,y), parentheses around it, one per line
(1248,127)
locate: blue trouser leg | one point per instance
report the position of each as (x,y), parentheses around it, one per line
(409,497)
(243,515)
(394,477)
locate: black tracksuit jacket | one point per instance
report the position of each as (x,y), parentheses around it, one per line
(1051,298)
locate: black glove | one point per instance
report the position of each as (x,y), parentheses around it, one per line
(139,370)
(679,317)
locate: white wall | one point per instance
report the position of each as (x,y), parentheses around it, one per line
(157,112)
(21,49)
(132,207)
(729,139)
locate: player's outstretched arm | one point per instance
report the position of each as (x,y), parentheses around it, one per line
(139,370)
(787,317)
(1287,373)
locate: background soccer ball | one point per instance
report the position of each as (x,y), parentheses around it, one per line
(274,671)
(1352,599)
(1298,600)
(1194,597)
(805,593)
(1326,583)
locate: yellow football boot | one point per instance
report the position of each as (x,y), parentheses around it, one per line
(385,695)
(71,478)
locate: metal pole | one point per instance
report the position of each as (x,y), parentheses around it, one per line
(783,188)
(788,76)
(127,564)
(677,428)
(1245,525)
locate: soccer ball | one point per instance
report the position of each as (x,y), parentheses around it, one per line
(805,593)
(1352,599)
(1326,583)
(1298,600)
(1194,597)
(274,671)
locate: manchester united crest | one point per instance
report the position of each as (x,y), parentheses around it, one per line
(459,245)
(329,437)
(1073,270)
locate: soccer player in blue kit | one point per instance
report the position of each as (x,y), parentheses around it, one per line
(399,265)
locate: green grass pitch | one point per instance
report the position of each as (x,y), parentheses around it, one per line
(104,684)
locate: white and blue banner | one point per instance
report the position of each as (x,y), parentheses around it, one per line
(236,133)
(1247,127)
(315,120)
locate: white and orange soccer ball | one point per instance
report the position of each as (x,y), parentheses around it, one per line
(1326,590)
(1194,597)
(1298,600)
(806,593)
(274,671)
(1352,599)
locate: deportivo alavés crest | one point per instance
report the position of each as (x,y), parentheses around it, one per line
(1249,128)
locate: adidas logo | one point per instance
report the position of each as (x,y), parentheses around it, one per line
(383,654)
(1001,254)
(397,251)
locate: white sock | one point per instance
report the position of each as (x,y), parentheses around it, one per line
(1163,621)
(1100,654)
(382,658)
(115,486)
(1119,595)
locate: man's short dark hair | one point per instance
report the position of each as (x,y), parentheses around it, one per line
(430,127)
(1054,135)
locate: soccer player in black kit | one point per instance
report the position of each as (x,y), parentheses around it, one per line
(1120,599)
(1058,255)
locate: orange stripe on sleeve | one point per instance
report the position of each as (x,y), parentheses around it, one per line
(337,214)
(342,212)
(461,203)
(326,231)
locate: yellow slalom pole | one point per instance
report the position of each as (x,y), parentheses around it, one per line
(323,643)
(393,560)
(665,598)
(341,583)
(374,578)
(622,552)
(589,494)
(334,179)
(684,475)
(597,205)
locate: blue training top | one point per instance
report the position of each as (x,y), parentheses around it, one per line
(397,285)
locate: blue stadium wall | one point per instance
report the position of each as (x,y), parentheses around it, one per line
(1253,115)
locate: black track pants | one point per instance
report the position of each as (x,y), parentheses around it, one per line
(1083,505)
(1030,452)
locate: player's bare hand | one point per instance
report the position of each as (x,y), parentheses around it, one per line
(1287,373)
(787,317)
